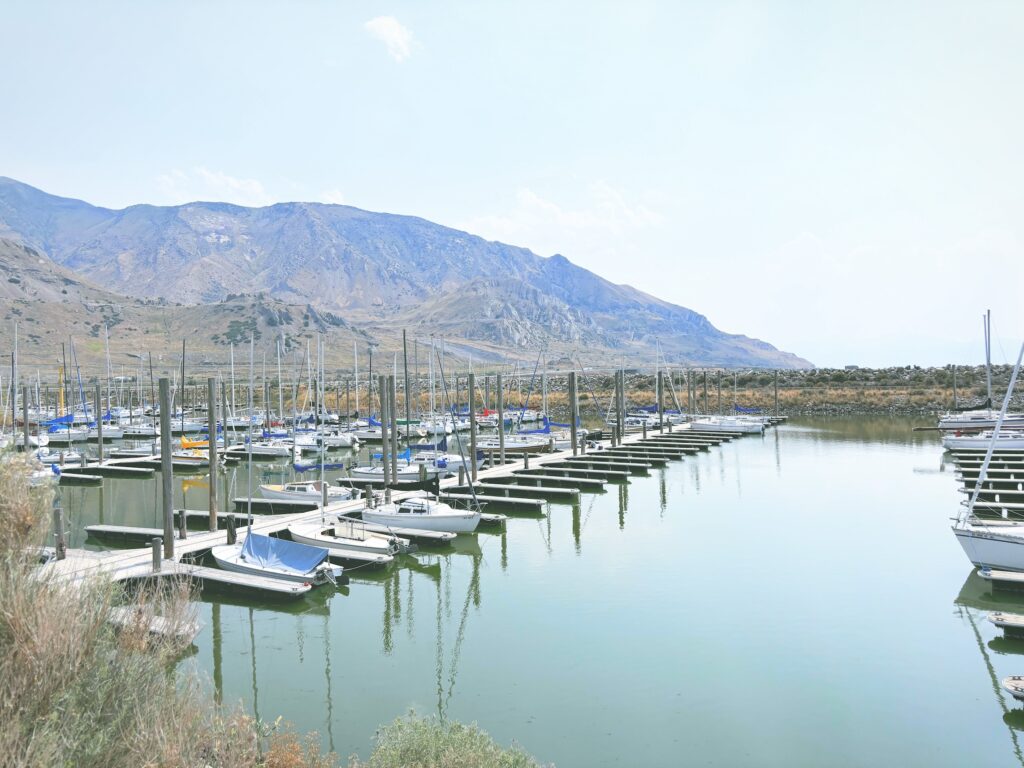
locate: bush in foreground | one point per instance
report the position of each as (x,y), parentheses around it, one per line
(417,742)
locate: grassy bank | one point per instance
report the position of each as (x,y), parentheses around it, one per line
(76,692)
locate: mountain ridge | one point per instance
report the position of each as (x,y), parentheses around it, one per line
(376,269)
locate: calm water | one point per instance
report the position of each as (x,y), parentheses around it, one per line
(792,600)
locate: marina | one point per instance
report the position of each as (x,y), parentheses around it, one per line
(745,491)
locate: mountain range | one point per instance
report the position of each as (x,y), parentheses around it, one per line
(293,269)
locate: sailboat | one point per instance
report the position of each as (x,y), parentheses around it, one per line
(424,514)
(261,555)
(981,418)
(991,546)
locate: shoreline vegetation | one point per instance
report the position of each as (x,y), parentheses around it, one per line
(76,691)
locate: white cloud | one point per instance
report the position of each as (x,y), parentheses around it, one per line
(332,196)
(595,234)
(201,183)
(396,38)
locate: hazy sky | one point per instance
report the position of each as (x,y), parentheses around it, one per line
(841,179)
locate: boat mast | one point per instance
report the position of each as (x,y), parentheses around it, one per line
(232,382)
(987,318)
(280,392)
(355,372)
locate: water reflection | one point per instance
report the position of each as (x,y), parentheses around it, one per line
(976,595)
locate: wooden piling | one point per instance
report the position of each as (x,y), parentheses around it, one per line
(499,392)
(157,560)
(405,368)
(384,445)
(99,426)
(166,468)
(25,447)
(59,541)
(472,426)
(211,421)
(573,410)
(393,403)
(660,391)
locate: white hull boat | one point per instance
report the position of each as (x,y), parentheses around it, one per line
(34,441)
(1006,441)
(728,424)
(265,556)
(340,440)
(996,547)
(267,449)
(67,436)
(308,491)
(408,473)
(975,421)
(423,514)
(348,541)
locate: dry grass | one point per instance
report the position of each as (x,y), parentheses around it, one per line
(75,691)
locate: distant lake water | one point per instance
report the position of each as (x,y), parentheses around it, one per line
(791,600)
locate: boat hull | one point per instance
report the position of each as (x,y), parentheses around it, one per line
(228,557)
(997,549)
(466,523)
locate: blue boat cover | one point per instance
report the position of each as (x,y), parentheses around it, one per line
(268,552)
(742,409)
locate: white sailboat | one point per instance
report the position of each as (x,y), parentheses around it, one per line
(260,555)
(310,490)
(991,546)
(423,514)
(1004,441)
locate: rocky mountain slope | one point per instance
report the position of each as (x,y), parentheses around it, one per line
(374,272)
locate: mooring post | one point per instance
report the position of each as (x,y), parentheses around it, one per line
(573,409)
(661,401)
(59,543)
(166,468)
(423,472)
(383,428)
(99,426)
(776,384)
(211,422)
(620,403)
(156,544)
(499,392)
(472,426)
(645,430)
(393,408)
(526,459)
(405,395)
(462,474)
(25,447)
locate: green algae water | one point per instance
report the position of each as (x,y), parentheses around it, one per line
(795,599)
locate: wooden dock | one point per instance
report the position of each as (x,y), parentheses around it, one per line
(521,488)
